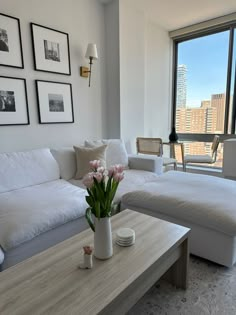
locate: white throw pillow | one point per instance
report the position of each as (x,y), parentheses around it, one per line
(85,155)
(65,157)
(116,152)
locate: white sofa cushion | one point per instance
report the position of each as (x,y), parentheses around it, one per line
(205,200)
(23,169)
(28,212)
(116,152)
(133,180)
(66,160)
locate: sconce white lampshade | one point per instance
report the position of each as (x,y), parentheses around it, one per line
(91,51)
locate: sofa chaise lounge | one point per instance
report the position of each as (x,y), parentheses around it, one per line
(204,203)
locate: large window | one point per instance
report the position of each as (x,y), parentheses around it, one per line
(204,102)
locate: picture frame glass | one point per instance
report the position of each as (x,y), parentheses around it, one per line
(13,102)
(51,50)
(55,102)
(10,42)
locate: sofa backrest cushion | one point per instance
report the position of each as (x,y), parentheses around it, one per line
(23,169)
(66,160)
(116,152)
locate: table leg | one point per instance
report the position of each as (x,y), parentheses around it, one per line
(172,150)
(178,273)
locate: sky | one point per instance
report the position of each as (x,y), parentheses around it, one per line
(206,59)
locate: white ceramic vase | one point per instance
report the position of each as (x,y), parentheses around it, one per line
(103,248)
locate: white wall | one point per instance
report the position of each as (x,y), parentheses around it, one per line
(112,69)
(145,77)
(158,59)
(132,73)
(84,21)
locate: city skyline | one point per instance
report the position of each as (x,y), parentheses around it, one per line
(205,59)
(208,118)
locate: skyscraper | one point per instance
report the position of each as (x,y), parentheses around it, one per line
(181,86)
(205,104)
(218,102)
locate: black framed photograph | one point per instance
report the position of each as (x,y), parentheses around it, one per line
(11,54)
(55,103)
(51,50)
(13,102)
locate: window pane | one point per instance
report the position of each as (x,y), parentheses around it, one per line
(201,84)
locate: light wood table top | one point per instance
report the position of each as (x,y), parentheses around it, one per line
(51,283)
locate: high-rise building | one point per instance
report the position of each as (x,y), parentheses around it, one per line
(211,118)
(191,120)
(196,120)
(218,102)
(231,97)
(205,104)
(181,86)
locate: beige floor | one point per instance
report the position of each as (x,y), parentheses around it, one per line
(212,291)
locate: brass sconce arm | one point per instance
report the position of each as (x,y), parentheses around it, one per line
(90,54)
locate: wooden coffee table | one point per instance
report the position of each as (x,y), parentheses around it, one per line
(51,283)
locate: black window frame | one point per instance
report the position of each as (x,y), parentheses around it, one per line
(231,27)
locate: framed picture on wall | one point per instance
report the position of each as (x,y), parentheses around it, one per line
(55,103)
(51,50)
(13,102)
(11,54)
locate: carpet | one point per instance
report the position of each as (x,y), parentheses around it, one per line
(211,291)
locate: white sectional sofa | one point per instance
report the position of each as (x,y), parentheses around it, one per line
(40,202)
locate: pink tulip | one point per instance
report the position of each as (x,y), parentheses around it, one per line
(119,168)
(88,250)
(88,180)
(118,177)
(111,171)
(95,164)
(101,169)
(98,176)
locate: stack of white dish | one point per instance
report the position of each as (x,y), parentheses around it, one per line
(125,237)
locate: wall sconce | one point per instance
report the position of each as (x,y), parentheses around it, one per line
(91,54)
